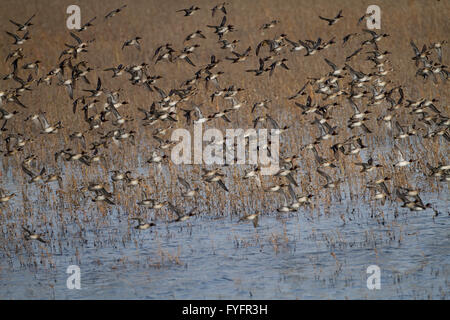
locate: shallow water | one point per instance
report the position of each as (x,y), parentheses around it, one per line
(286,257)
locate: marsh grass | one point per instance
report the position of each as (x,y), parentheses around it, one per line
(72,222)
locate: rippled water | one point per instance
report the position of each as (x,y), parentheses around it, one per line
(286,257)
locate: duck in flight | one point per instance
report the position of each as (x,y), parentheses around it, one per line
(19,40)
(333,20)
(87,25)
(23,27)
(132,42)
(220,7)
(33,235)
(253,217)
(180,215)
(114,12)
(189,11)
(142,224)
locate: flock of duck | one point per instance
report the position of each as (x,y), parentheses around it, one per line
(344,86)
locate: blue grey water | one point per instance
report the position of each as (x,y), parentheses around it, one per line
(288,256)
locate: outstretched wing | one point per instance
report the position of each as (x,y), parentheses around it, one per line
(224,20)
(76,37)
(222,185)
(184,183)
(174,209)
